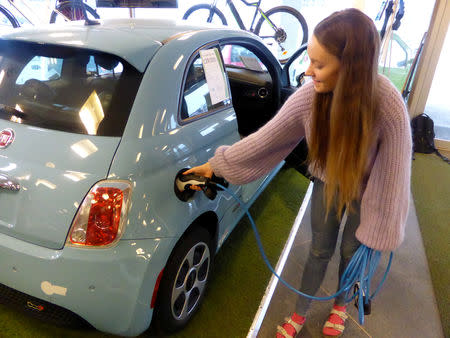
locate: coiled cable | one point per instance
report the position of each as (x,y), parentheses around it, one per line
(358,273)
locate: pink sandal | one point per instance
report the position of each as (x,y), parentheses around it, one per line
(291,326)
(334,326)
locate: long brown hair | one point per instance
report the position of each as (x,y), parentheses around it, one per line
(342,128)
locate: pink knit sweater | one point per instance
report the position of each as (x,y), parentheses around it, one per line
(385,199)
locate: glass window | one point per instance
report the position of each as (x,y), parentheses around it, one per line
(399,48)
(66,88)
(297,70)
(206,87)
(438,107)
(95,66)
(41,68)
(239,56)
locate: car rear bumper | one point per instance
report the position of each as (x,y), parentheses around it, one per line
(109,288)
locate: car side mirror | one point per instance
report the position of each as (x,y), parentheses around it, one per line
(300,79)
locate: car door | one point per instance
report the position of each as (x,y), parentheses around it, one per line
(255,82)
(293,77)
(206,112)
(252,70)
(293,72)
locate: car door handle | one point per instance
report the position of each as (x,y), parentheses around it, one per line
(8,183)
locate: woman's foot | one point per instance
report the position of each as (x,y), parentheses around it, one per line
(291,326)
(334,326)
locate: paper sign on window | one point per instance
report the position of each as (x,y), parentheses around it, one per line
(214,74)
(251,63)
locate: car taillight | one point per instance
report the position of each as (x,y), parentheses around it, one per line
(101,217)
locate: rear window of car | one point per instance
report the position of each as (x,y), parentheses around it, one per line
(65,88)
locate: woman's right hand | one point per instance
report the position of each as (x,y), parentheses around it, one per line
(204,170)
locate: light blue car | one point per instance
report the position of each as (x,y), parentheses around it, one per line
(95,123)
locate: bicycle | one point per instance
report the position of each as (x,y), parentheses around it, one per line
(70,10)
(64,10)
(272,24)
(7,19)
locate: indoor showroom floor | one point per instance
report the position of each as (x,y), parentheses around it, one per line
(405,306)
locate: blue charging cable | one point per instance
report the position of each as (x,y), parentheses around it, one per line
(358,273)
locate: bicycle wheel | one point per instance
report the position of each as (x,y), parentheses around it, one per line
(72,10)
(289,32)
(200,13)
(7,20)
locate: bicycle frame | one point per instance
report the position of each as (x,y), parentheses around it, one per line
(81,3)
(59,13)
(258,9)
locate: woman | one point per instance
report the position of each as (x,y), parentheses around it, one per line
(357,130)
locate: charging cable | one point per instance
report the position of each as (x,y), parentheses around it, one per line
(358,273)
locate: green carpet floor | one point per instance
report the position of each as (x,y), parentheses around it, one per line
(239,276)
(431,191)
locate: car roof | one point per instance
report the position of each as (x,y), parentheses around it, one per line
(135,40)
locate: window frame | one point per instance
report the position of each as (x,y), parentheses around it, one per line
(266,57)
(192,58)
(273,66)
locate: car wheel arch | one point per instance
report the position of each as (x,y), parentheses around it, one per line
(208,222)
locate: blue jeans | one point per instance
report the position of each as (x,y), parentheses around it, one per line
(324,237)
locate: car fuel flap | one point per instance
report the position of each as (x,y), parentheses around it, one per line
(55,171)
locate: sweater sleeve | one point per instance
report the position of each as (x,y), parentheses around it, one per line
(258,153)
(385,201)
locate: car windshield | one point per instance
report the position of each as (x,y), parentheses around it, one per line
(65,88)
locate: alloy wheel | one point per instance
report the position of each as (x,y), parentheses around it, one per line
(190,281)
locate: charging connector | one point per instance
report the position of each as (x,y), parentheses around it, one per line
(185,186)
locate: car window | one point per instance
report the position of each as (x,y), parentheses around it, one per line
(94,67)
(297,70)
(66,88)
(41,68)
(239,56)
(205,87)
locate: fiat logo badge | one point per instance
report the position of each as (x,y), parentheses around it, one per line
(6,137)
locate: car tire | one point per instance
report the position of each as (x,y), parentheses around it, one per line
(201,7)
(77,10)
(300,27)
(9,17)
(184,280)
